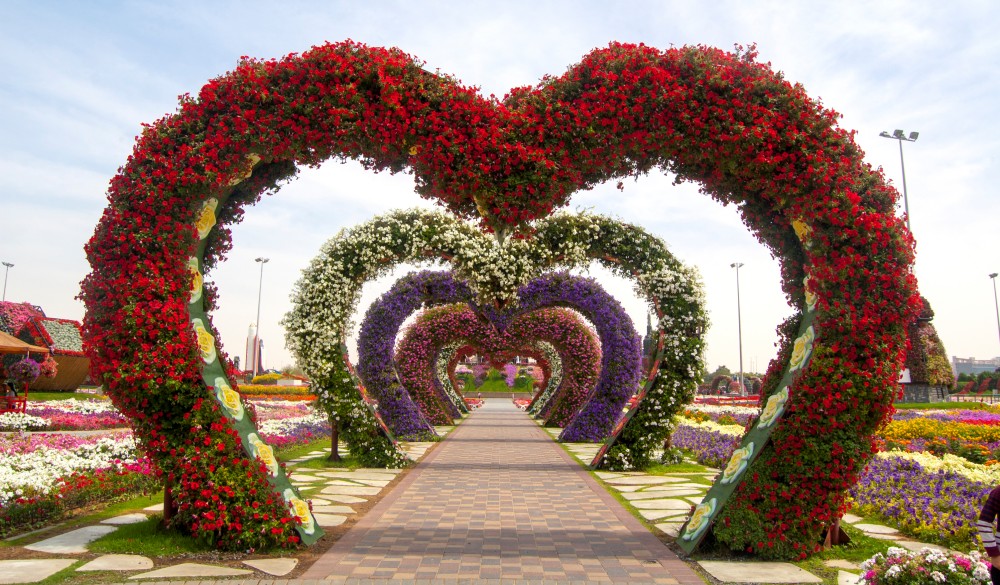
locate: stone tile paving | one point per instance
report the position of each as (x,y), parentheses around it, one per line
(31,570)
(489,537)
(333,509)
(499,500)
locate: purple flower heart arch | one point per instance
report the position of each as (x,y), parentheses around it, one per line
(580,352)
(721,119)
(620,348)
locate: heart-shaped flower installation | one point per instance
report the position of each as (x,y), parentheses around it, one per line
(620,359)
(720,119)
(328,290)
(579,349)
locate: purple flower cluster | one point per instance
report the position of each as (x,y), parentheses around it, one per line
(620,345)
(377,341)
(937,506)
(620,348)
(710,448)
(24,372)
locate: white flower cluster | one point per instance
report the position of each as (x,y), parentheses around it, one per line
(20,422)
(933,563)
(37,472)
(287,426)
(724,409)
(441,373)
(555,376)
(89,406)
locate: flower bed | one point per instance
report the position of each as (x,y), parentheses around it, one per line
(65,415)
(932,497)
(44,477)
(926,567)
(277,392)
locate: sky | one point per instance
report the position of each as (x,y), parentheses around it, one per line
(80,78)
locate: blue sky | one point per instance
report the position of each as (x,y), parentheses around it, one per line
(79,79)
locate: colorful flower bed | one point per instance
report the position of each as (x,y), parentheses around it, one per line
(931,496)
(45,476)
(64,415)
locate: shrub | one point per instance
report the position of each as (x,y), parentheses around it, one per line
(266,379)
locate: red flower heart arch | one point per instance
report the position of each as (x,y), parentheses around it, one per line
(720,119)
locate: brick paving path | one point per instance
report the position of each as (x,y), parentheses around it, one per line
(500,500)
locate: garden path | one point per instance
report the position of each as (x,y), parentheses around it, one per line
(500,500)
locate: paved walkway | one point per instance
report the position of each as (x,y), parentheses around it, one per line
(500,500)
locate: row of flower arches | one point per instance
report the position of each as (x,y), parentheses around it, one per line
(723,120)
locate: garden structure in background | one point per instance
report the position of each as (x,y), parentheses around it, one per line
(720,119)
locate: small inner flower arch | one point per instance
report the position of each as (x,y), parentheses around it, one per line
(720,119)
(416,355)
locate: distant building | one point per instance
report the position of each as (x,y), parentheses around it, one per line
(973,366)
(62,337)
(254,352)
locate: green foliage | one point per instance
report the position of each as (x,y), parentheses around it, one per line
(719,371)
(149,538)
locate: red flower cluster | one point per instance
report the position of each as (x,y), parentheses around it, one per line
(717,118)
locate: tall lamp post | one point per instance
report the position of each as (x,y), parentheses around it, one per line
(256,336)
(739,320)
(993,277)
(7,267)
(898,135)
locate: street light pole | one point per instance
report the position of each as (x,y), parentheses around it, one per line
(7,267)
(256,336)
(993,277)
(739,320)
(899,136)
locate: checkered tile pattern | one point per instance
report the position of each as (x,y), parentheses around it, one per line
(499,500)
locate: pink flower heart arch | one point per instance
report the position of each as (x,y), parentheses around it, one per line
(720,119)
(580,354)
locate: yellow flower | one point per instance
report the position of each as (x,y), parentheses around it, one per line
(253,159)
(802,349)
(196,280)
(414,150)
(301,510)
(700,519)
(803,231)
(810,295)
(265,453)
(737,463)
(229,398)
(206,343)
(206,219)
(773,408)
